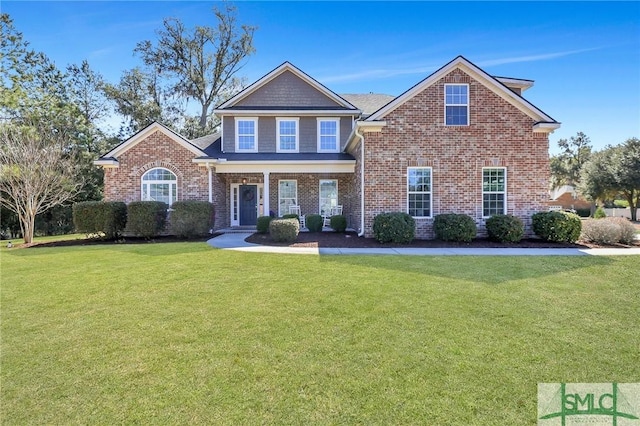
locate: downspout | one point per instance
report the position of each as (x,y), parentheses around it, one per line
(361,136)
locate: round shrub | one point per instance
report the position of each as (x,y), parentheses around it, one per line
(454,227)
(627,230)
(557,226)
(314,222)
(95,217)
(262,225)
(284,230)
(396,227)
(191,218)
(146,218)
(600,231)
(505,228)
(599,213)
(291,216)
(338,223)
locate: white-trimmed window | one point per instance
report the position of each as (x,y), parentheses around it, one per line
(494,191)
(328,195)
(328,134)
(246,134)
(287,195)
(287,134)
(419,191)
(456,104)
(159,184)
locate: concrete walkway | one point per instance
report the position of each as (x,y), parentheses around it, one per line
(236,241)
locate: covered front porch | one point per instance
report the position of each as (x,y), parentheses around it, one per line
(251,189)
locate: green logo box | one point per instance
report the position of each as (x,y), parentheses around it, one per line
(573,404)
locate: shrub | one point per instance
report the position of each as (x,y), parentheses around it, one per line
(557,226)
(95,217)
(627,230)
(338,223)
(505,228)
(314,222)
(454,227)
(291,216)
(395,227)
(146,218)
(191,218)
(599,213)
(285,230)
(600,231)
(262,226)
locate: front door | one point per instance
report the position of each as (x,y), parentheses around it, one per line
(248,205)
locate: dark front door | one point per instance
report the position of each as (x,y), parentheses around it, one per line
(248,204)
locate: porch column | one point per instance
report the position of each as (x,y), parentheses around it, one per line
(210,182)
(265,190)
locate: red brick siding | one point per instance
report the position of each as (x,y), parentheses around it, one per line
(499,135)
(123,183)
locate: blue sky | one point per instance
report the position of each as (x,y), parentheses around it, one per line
(583,56)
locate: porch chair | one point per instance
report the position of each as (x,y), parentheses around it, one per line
(296,210)
(335,210)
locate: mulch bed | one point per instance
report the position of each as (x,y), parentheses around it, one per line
(351,240)
(123,240)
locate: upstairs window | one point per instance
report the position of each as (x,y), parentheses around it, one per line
(419,191)
(247,134)
(494,191)
(456,100)
(287,134)
(159,185)
(328,135)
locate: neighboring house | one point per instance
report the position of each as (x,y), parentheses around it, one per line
(568,198)
(458,141)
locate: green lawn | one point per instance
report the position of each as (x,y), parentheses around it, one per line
(181,333)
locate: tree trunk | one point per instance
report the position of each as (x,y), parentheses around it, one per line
(632,199)
(29,226)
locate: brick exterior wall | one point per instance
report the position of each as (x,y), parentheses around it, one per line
(123,183)
(498,135)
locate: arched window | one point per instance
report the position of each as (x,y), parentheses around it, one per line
(160,185)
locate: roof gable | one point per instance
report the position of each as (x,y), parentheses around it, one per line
(479,75)
(148,131)
(286,87)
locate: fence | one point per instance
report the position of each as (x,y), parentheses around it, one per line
(620,213)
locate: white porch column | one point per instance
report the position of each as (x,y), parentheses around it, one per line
(265,191)
(210,172)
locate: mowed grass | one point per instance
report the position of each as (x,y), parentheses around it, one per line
(181,333)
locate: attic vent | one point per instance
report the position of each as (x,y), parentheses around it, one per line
(457,78)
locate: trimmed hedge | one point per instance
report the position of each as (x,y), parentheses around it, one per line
(505,228)
(395,227)
(338,223)
(146,218)
(262,225)
(191,218)
(610,230)
(284,230)
(95,217)
(314,222)
(586,212)
(291,216)
(557,226)
(454,227)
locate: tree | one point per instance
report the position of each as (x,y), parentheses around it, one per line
(614,171)
(201,63)
(36,172)
(566,166)
(141,100)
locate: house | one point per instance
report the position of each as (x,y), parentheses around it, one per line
(459,141)
(567,198)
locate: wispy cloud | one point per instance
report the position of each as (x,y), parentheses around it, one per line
(532,58)
(382,73)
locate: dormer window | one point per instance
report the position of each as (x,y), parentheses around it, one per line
(246,134)
(456,101)
(287,134)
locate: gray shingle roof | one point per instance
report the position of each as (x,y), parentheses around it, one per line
(368,102)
